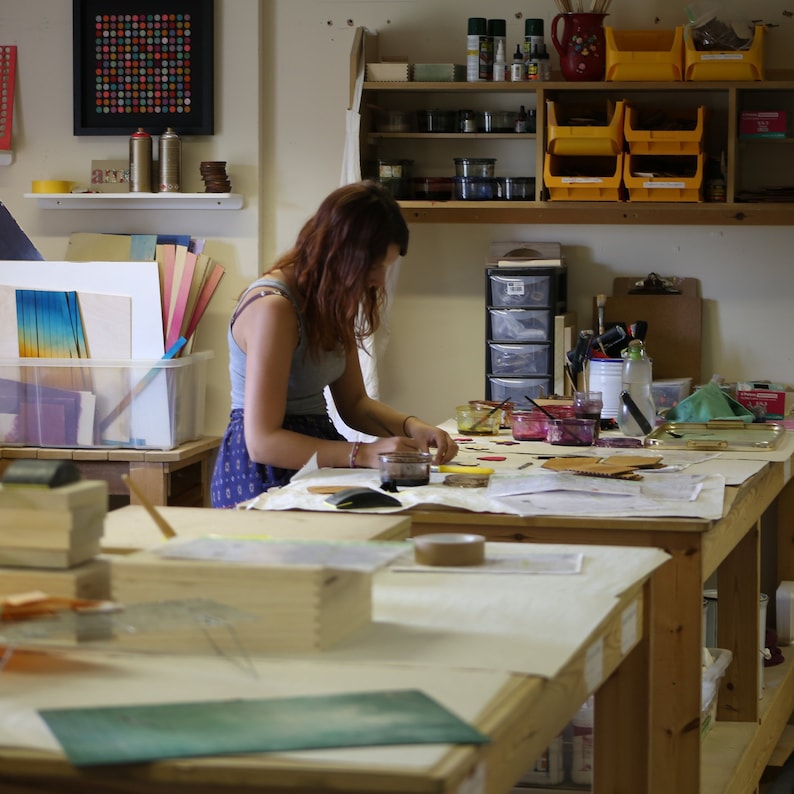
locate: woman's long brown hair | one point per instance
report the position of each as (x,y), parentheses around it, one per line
(332,260)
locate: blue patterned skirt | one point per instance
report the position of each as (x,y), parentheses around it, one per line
(236,478)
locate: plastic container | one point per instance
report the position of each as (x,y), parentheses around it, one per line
(682,132)
(519,359)
(518,389)
(434,188)
(644,55)
(720,65)
(520,325)
(475,166)
(140,404)
(665,178)
(669,392)
(532,425)
(583,178)
(519,290)
(405,468)
(498,120)
(571,432)
(394,121)
(397,177)
(476,188)
(436,120)
(577,130)
(636,378)
(478,419)
(519,188)
(710,687)
(505,410)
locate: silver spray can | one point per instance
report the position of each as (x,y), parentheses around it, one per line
(140,162)
(170,153)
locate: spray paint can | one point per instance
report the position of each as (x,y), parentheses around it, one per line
(479,51)
(140,162)
(533,38)
(170,153)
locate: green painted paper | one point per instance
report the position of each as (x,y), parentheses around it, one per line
(126,734)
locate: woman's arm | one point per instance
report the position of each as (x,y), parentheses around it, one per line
(407,432)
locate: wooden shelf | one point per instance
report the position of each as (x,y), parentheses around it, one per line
(591,212)
(138,201)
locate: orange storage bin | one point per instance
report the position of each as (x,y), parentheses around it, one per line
(718,65)
(664,178)
(682,132)
(569,133)
(583,178)
(644,55)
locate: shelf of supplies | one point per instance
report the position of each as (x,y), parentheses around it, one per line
(6,157)
(138,201)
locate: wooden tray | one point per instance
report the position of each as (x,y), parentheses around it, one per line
(723,434)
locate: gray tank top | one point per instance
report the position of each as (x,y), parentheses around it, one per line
(308,376)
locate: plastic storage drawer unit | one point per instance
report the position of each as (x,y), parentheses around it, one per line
(575,129)
(659,132)
(519,325)
(519,289)
(518,359)
(583,178)
(680,178)
(644,55)
(518,389)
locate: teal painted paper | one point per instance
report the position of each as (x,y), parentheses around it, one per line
(127,734)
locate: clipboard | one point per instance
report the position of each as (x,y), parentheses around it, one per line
(722,434)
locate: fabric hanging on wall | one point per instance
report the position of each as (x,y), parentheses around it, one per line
(374,346)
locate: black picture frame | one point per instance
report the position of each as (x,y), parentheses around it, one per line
(143,63)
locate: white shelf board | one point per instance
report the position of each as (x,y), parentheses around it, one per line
(6,157)
(138,201)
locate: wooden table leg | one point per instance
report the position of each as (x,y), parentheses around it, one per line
(152,479)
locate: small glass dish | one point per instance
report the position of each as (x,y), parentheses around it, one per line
(571,432)
(478,420)
(405,468)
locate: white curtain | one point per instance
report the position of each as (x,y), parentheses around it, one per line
(373,346)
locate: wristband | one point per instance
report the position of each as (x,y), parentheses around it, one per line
(405,422)
(353,453)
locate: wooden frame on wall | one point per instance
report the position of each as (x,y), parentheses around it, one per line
(143,63)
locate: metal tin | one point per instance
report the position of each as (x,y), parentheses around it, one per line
(140,162)
(170,153)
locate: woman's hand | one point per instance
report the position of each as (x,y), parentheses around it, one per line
(429,436)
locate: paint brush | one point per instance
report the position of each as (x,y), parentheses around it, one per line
(484,419)
(540,407)
(164,527)
(601,302)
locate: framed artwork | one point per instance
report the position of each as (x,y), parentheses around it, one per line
(143,63)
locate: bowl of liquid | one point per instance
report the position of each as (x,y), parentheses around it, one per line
(478,419)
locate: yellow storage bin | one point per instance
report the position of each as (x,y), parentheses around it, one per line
(644,55)
(716,65)
(583,178)
(682,132)
(569,131)
(664,178)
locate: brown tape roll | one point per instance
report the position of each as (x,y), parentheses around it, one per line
(449,549)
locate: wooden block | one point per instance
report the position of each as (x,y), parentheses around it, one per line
(295,608)
(67,497)
(89,580)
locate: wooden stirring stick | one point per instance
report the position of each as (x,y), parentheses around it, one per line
(164,527)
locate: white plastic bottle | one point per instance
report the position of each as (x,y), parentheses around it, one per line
(499,65)
(636,413)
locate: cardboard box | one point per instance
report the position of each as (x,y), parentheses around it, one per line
(762,124)
(765,400)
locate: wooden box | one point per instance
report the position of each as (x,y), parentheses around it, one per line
(291,607)
(52,527)
(89,580)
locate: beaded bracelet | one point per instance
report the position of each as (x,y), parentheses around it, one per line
(405,422)
(353,453)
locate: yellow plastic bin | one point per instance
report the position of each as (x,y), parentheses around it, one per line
(644,55)
(680,179)
(682,133)
(568,132)
(583,178)
(717,65)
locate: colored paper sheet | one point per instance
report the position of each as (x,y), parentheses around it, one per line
(14,243)
(125,734)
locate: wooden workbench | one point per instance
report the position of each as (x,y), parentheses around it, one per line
(178,476)
(520,711)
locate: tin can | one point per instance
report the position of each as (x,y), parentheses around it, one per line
(170,153)
(140,162)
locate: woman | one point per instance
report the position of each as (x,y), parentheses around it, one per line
(297,330)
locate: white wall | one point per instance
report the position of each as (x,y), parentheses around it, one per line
(281,100)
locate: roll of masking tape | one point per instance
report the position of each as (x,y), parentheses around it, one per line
(52,186)
(449,549)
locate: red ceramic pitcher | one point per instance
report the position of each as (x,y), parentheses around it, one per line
(582,47)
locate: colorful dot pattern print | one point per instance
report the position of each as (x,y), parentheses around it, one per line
(143,63)
(8,67)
